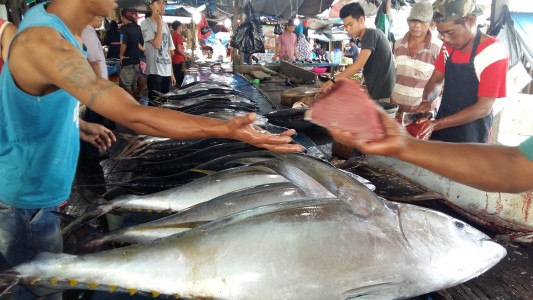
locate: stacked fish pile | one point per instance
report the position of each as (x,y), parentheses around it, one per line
(247,223)
(147,164)
(284,227)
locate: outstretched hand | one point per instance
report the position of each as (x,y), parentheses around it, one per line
(97,135)
(394,142)
(326,86)
(243,129)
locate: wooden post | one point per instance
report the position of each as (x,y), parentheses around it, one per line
(496,11)
(194,39)
(236,56)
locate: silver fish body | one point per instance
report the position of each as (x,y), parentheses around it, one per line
(200,190)
(315,249)
(205,212)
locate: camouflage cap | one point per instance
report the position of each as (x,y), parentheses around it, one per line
(453,10)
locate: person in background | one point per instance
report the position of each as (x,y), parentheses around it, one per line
(353,51)
(130,51)
(375,57)
(179,53)
(286,44)
(492,168)
(158,49)
(7,32)
(96,58)
(473,67)
(415,56)
(38,163)
(303,48)
(112,40)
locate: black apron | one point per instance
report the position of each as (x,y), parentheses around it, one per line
(460,91)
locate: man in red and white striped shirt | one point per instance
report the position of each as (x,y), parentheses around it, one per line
(415,56)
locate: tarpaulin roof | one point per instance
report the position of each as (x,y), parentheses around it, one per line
(523,24)
(282,8)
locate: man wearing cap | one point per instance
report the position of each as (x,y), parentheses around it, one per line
(130,51)
(286,44)
(415,55)
(473,67)
(375,58)
(158,50)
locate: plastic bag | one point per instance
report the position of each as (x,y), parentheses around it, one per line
(417,130)
(249,37)
(383,21)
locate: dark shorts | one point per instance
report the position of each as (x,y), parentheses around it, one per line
(129,76)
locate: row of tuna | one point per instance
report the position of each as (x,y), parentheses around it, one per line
(286,227)
(252,224)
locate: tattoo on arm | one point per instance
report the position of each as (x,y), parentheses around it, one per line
(77,71)
(104,86)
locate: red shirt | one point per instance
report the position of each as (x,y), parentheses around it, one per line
(491,63)
(177,58)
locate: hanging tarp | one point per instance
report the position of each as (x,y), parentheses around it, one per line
(283,8)
(514,30)
(523,24)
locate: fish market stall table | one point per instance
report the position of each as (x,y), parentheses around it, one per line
(510,279)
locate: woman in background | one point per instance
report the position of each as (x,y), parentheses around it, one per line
(112,40)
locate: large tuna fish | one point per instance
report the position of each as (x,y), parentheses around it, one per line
(205,212)
(322,249)
(182,197)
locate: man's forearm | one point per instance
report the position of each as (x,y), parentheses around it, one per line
(479,110)
(486,167)
(122,50)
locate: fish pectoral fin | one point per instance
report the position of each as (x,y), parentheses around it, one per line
(374,291)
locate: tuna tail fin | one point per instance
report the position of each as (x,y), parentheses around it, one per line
(97,212)
(8,279)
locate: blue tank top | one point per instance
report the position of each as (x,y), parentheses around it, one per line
(39,136)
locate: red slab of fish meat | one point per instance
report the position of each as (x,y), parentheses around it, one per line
(348,107)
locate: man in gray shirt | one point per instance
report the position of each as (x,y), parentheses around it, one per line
(158,50)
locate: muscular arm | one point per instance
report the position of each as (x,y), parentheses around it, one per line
(61,65)
(5,41)
(122,51)
(486,167)
(352,69)
(276,50)
(433,87)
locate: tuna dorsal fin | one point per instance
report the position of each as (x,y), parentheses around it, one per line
(363,201)
(376,291)
(298,177)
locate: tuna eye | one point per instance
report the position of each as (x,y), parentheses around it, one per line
(459,225)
